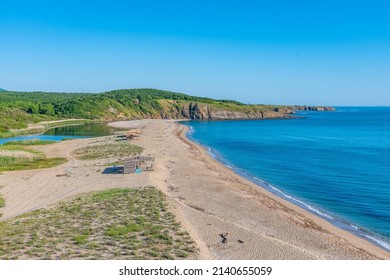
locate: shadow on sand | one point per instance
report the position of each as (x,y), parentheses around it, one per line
(113,170)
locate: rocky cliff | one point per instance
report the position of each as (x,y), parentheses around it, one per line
(198,111)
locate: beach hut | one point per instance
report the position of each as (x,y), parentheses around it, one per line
(138,164)
(129,168)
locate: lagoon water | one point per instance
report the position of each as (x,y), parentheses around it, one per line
(335,164)
(67,132)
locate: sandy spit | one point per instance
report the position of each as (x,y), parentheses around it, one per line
(228,216)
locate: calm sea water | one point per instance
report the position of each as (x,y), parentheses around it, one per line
(67,132)
(335,164)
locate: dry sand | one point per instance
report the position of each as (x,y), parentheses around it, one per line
(29,190)
(208,198)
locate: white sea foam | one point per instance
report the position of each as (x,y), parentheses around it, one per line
(378,241)
(297,201)
(354,227)
(190,131)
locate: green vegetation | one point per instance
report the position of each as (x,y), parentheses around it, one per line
(12,147)
(108,150)
(17,109)
(113,224)
(30,142)
(9,163)
(2,202)
(133,103)
(14,157)
(13,117)
(81,239)
(122,230)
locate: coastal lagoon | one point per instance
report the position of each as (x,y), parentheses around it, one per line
(67,132)
(334,164)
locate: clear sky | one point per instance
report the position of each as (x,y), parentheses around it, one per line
(266,51)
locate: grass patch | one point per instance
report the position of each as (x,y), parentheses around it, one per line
(81,239)
(10,163)
(12,147)
(2,204)
(108,150)
(18,157)
(122,230)
(30,142)
(114,224)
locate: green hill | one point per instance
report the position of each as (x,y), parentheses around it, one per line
(17,109)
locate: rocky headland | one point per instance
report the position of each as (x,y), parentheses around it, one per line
(196,111)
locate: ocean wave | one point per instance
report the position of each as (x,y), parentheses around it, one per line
(293,199)
(268,186)
(378,241)
(353,226)
(347,226)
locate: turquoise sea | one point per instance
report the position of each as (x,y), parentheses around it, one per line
(334,164)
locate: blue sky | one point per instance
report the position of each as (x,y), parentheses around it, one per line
(279,52)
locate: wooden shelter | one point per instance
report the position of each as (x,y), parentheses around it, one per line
(143,163)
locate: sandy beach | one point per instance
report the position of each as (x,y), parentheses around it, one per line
(212,202)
